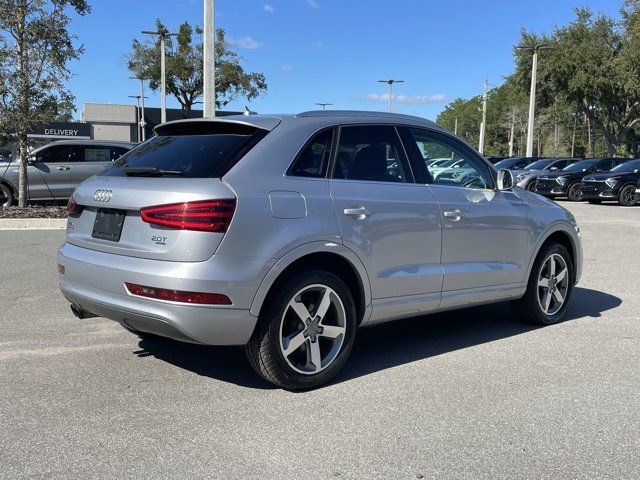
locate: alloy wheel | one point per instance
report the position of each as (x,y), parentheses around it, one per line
(312,329)
(575,192)
(553,284)
(629,196)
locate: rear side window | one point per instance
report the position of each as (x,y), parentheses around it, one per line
(97,154)
(314,158)
(189,152)
(372,153)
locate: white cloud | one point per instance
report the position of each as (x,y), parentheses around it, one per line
(269,8)
(246,42)
(313,5)
(407,99)
(287,67)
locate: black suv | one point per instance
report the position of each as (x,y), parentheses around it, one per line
(620,183)
(566,182)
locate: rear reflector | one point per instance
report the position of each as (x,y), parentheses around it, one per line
(61,269)
(178,295)
(206,215)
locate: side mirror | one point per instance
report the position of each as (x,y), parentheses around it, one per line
(505,179)
(31,160)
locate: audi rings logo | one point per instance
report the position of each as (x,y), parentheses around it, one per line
(102,195)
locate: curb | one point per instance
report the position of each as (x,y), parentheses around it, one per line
(33,223)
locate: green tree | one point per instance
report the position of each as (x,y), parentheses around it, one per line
(35,49)
(595,69)
(184,67)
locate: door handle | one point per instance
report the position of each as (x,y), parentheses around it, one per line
(359,213)
(64,169)
(453,215)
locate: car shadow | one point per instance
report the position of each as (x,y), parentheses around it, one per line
(382,346)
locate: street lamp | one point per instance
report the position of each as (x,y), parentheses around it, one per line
(138,97)
(163,35)
(323,105)
(209,64)
(142,97)
(390,83)
(532,95)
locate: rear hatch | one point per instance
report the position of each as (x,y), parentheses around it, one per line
(164,199)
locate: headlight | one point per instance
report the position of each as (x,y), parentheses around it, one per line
(520,177)
(561,181)
(611,182)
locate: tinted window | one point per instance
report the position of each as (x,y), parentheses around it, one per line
(560,164)
(537,165)
(370,153)
(314,158)
(97,154)
(463,168)
(603,166)
(193,156)
(54,154)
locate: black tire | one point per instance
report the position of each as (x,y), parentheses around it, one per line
(574,193)
(528,308)
(531,186)
(595,202)
(627,196)
(263,349)
(6,196)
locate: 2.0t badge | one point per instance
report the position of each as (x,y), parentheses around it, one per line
(102,195)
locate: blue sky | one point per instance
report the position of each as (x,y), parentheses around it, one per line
(330,50)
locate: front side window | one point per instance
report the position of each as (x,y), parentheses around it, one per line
(372,153)
(462,169)
(54,154)
(313,160)
(117,152)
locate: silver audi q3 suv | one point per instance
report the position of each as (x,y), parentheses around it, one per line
(286,233)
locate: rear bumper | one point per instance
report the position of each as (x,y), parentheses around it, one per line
(94,281)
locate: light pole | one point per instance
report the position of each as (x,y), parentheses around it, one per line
(163,34)
(137,97)
(209,62)
(532,95)
(143,124)
(390,83)
(483,125)
(323,105)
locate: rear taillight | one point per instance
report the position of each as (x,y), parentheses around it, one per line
(200,298)
(72,207)
(206,215)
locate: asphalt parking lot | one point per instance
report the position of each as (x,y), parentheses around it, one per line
(472,394)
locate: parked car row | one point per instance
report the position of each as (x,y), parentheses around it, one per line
(56,169)
(594,179)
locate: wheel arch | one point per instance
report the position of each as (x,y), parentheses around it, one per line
(327,256)
(562,235)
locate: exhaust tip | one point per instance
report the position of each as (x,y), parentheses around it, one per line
(80,313)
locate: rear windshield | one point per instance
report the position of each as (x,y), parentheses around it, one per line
(187,156)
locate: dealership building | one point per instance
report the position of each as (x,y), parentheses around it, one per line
(108,121)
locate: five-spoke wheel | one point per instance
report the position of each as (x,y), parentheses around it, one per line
(553,283)
(305,331)
(549,287)
(312,329)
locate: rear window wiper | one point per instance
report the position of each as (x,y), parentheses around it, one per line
(132,171)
